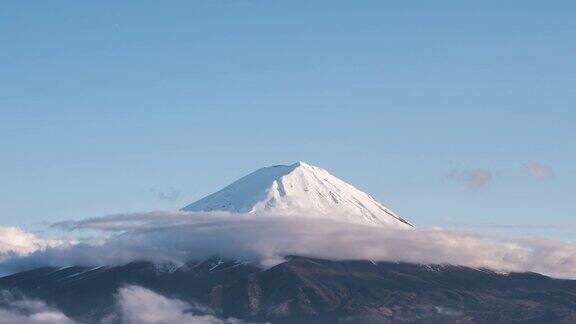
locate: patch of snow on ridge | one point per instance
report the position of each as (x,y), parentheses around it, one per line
(299,189)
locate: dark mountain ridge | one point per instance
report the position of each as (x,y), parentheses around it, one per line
(307,290)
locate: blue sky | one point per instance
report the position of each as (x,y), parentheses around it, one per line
(104,105)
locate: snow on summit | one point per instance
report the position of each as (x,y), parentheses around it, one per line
(299,189)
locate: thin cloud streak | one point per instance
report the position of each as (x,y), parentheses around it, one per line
(568,227)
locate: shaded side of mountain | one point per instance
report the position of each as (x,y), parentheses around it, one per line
(307,290)
(366,292)
(88,294)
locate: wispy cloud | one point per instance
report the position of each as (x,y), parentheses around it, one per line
(538,170)
(559,226)
(172,194)
(473,178)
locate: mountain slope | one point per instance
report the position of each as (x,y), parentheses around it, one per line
(299,189)
(306,290)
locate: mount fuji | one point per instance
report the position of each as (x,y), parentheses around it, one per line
(299,189)
(301,289)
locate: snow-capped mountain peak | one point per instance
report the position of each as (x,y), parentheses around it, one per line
(299,189)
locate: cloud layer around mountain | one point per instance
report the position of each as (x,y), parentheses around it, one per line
(266,240)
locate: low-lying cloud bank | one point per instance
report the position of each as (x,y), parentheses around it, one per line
(18,310)
(182,236)
(134,305)
(140,305)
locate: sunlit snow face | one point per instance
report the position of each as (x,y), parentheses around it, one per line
(299,189)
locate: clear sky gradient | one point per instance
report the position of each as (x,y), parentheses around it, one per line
(104,105)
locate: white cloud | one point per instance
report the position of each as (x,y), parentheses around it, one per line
(29,311)
(134,305)
(182,236)
(15,241)
(47,317)
(143,306)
